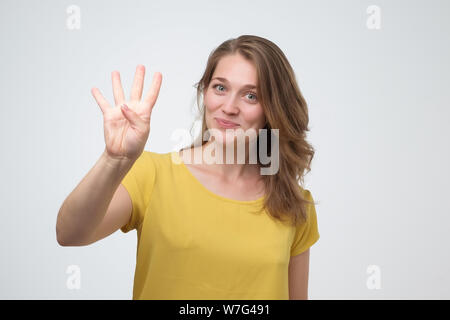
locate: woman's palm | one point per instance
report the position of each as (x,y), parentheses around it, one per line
(126,132)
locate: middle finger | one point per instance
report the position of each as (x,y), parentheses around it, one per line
(138,83)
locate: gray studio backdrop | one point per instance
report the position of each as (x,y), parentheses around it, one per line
(374,73)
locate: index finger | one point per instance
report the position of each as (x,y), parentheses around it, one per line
(152,94)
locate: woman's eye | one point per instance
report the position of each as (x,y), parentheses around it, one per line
(251,94)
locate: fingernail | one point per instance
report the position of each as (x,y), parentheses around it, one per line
(125,107)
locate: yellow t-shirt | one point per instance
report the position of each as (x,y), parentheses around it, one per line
(195,244)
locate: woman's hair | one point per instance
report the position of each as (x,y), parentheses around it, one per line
(285,109)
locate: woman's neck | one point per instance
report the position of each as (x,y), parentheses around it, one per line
(223,160)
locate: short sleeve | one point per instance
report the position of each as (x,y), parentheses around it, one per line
(139,182)
(307,233)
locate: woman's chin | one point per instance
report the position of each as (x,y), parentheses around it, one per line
(223,136)
(226,142)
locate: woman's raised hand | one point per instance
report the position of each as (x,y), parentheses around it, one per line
(127,126)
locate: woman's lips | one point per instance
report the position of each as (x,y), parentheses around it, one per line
(226,124)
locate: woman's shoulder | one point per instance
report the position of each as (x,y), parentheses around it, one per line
(155,155)
(306,193)
(159,159)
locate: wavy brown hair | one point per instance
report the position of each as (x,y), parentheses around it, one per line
(285,109)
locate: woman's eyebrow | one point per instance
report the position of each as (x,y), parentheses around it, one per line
(247,86)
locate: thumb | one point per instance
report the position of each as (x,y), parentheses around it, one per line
(130,115)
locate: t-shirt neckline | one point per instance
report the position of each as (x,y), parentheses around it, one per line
(201,186)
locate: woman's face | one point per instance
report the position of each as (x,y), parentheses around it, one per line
(233,98)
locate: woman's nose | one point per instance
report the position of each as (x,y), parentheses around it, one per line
(230,107)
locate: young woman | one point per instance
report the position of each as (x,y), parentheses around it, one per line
(207,230)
